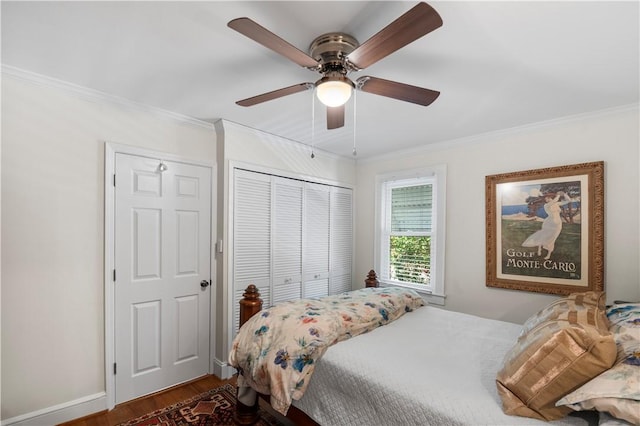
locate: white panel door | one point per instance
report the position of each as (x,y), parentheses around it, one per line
(162,268)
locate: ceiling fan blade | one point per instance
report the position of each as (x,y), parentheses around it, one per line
(335,117)
(275,94)
(259,34)
(400,91)
(418,21)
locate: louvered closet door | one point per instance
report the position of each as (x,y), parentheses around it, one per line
(315,261)
(341,243)
(251,237)
(287,239)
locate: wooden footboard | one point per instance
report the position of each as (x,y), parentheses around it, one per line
(251,304)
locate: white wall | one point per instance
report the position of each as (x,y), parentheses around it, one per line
(52,233)
(255,147)
(241,145)
(611,136)
(53,221)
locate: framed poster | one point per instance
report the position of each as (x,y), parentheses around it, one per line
(545,229)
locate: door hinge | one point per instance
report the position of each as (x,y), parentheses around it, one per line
(115,369)
(114,275)
(114,179)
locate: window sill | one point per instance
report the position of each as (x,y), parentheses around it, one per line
(428,296)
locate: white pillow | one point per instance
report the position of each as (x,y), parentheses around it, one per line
(617,390)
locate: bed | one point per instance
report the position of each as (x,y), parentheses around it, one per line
(447,378)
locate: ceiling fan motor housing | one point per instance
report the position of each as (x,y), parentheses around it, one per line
(331,50)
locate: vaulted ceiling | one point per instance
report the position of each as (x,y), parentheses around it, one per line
(498,65)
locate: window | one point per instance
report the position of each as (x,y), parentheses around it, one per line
(410,237)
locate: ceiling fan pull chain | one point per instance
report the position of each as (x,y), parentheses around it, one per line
(313,121)
(355,97)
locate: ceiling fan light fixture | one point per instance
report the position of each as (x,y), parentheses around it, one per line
(334,91)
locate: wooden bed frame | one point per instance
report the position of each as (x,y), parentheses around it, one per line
(251,304)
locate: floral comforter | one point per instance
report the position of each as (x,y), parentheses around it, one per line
(276,350)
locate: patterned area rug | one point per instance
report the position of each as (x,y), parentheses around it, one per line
(214,407)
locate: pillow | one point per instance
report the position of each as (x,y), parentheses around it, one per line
(616,391)
(573,302)
(605,419)
(564,346)
(624,322)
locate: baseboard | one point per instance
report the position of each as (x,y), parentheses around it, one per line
(61,413)
(222,369)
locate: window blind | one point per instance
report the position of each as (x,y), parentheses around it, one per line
(411,209)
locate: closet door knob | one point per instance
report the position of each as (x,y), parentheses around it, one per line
(204,283)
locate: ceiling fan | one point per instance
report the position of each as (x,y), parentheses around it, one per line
(334,55)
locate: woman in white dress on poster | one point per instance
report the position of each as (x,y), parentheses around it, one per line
(545,238)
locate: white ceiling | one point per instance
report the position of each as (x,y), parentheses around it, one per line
(498,65)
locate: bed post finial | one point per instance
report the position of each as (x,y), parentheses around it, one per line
(250,304)
(372,279)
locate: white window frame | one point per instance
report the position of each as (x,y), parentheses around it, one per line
(435,175)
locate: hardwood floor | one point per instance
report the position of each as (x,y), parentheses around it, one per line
(140,406)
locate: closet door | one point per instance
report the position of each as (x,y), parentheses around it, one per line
(315,254)
(291,239)
(341,242)
(251,237)
(287,239)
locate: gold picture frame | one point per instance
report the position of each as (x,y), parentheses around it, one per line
(545,229)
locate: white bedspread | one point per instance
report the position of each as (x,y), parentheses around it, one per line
(430,367)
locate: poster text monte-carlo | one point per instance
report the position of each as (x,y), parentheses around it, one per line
(545,229)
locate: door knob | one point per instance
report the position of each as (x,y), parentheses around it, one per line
(204,283)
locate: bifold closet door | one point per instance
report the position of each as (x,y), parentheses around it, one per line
(287,239)
(315,254)
(291,238)
(341,242)
(251,237)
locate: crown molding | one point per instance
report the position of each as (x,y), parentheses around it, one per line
(490,136)
(96,95)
